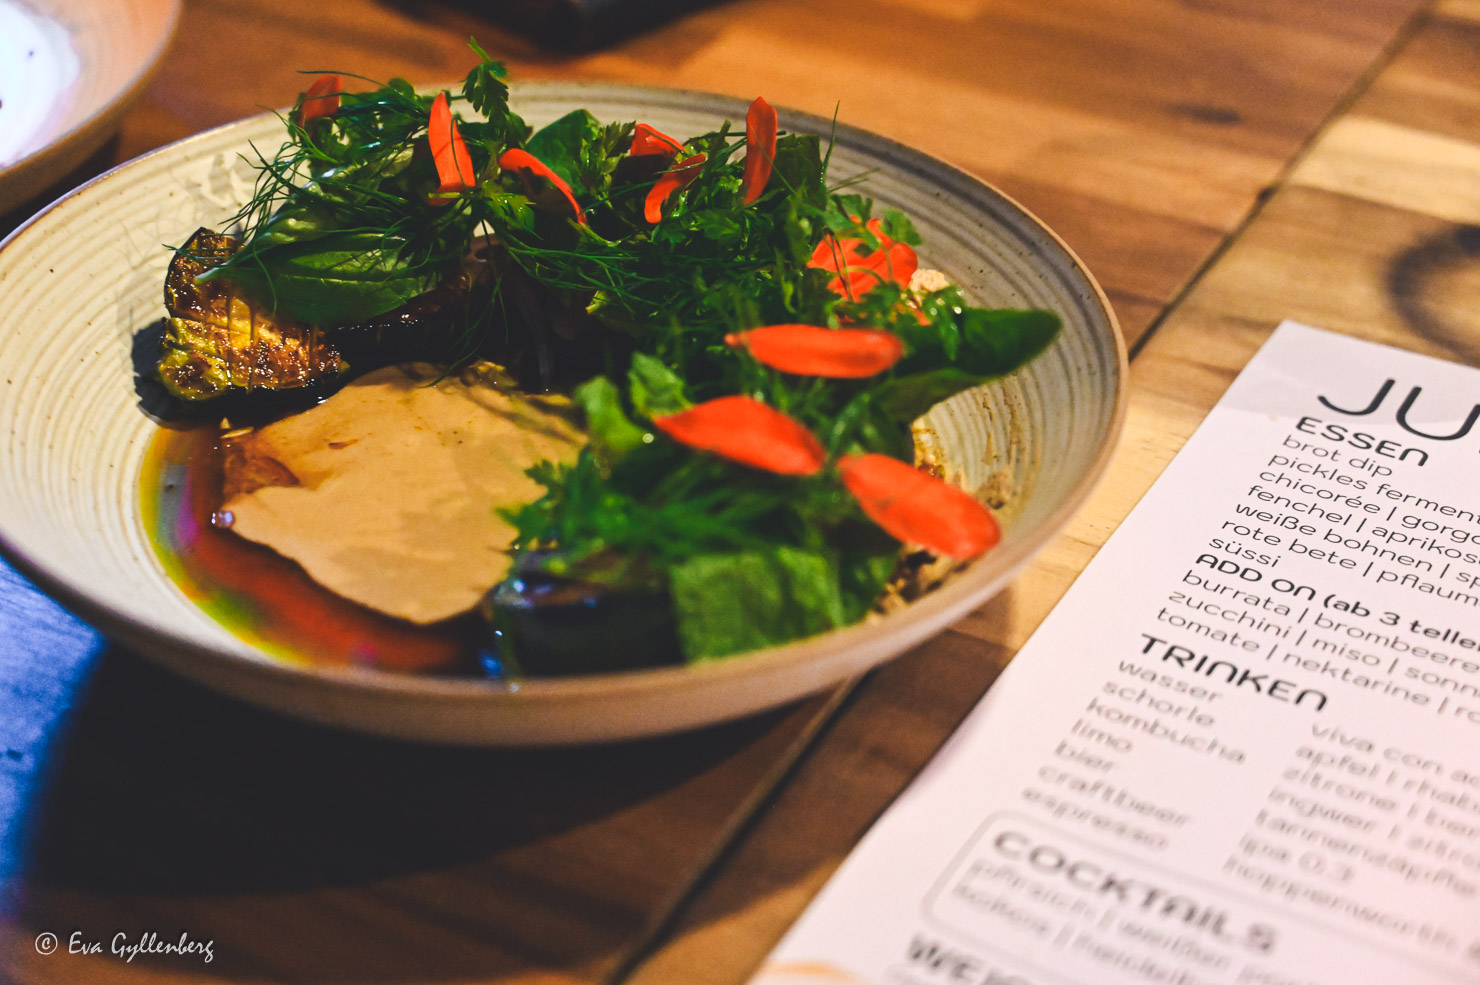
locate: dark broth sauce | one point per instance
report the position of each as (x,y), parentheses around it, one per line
(266,599)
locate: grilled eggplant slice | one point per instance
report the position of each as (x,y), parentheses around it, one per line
(218,341)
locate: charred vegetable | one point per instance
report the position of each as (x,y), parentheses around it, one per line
(219,340)
(223,340)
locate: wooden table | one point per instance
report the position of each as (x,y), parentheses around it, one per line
(1220,165)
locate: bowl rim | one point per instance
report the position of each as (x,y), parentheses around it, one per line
(934,612)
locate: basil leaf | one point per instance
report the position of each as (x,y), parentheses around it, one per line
(336,278)
(862,576)
(991,344)
(996,342)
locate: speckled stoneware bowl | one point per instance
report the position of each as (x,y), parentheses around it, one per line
(68,70)
(80,279)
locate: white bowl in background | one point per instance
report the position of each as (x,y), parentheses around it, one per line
(68,71)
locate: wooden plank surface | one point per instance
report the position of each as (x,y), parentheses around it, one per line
(1143,131)
(305,852)
(1356,242)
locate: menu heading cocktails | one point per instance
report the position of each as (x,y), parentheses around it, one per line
(1245,747)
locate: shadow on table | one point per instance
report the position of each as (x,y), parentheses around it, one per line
(135,802)
(308,854)
(165,787)
(1435,286)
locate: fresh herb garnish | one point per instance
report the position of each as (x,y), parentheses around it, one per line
(762,352)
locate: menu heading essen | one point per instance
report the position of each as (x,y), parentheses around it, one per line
(1245,747)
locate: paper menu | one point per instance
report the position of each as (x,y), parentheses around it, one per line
(1245,746)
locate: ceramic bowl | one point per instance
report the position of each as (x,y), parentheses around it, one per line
(68,70)
(72,436)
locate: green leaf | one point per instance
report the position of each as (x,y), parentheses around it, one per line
(863,575)
(611,432)
(898,227)
(996,342)
(905,398)
(561,146)
(485,90)
(657,391)
(992,344)
(798,167)
(510,209)
(336,278)
(731,603)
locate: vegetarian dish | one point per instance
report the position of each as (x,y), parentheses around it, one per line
(633,398)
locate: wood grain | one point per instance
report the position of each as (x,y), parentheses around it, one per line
(1144,132)
(308,854)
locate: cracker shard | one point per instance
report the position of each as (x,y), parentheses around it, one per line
(388,493)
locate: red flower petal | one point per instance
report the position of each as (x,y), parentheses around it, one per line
(837,353)
(859,272)
(321,99)
(918,508)
(896,265)
(673,180)
(450,152)
(746,431)
(760,149)
(646,140)
(528,166)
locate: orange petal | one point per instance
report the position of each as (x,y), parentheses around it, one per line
(449,152)
(896,265)
(646,140)
(918,508)
(859,272)
(747,431)
(673,180)
(528,166)
(760,148)
(321,99)
(808,350)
